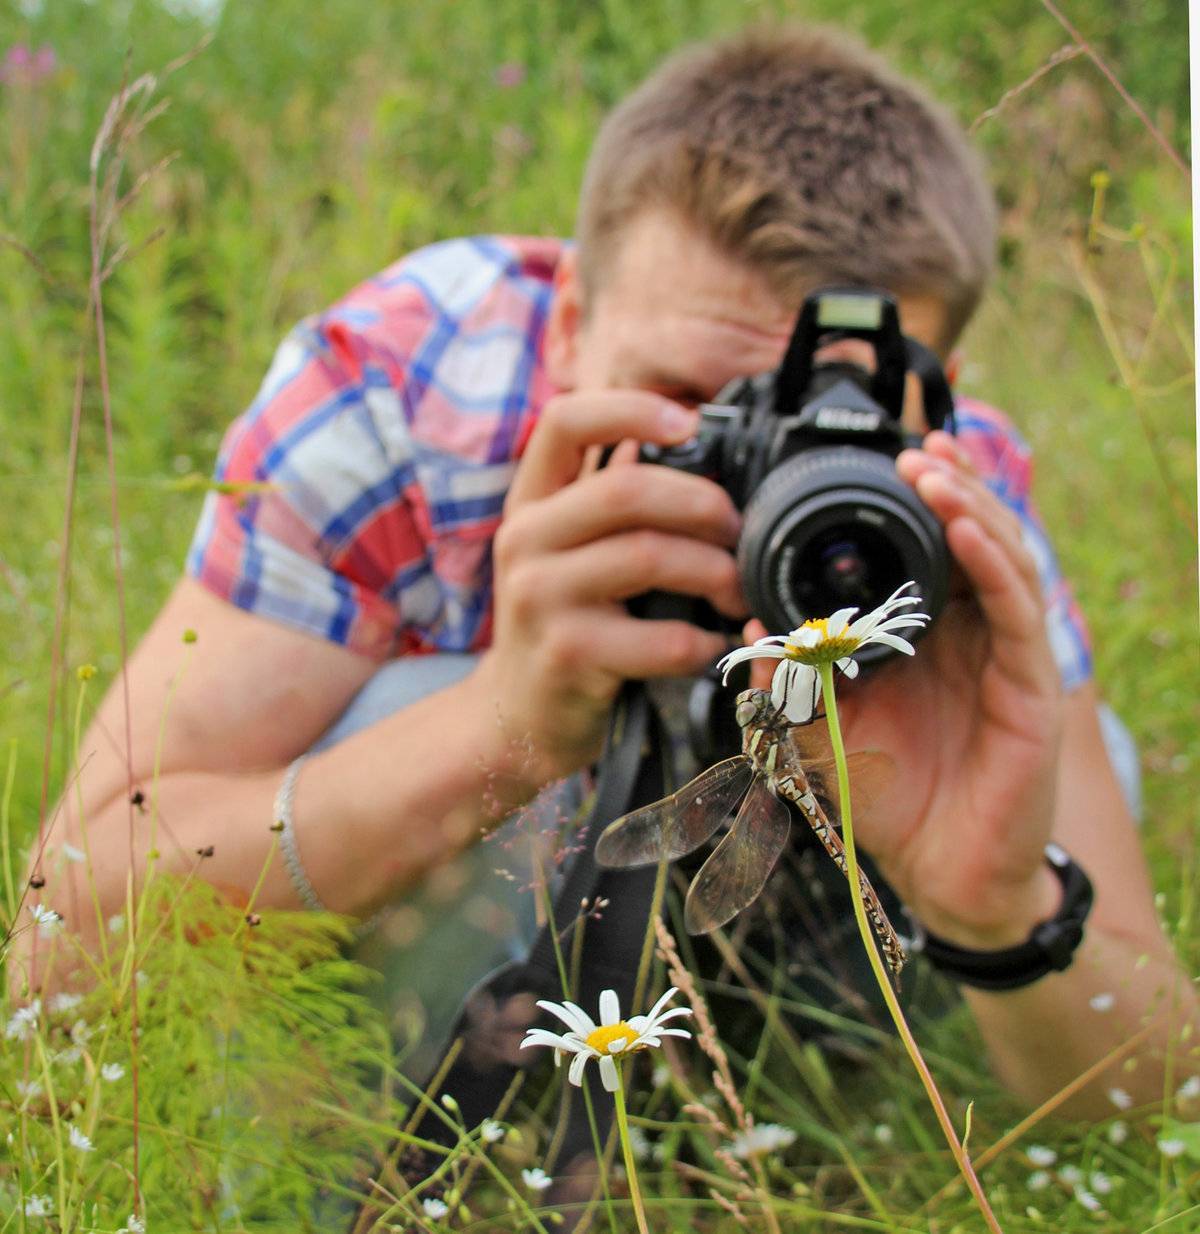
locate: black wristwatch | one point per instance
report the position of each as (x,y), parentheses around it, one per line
(1050,946)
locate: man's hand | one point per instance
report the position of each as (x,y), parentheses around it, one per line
(573,547)
(973,724)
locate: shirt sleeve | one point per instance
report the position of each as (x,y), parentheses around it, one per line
(310,521)
(1005,463)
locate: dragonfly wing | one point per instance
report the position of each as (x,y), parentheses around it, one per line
(871,771)
(669,828)
(738,867)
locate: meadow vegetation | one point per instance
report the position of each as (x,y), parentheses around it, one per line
(227,1074)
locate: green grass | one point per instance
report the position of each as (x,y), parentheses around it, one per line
(315,144)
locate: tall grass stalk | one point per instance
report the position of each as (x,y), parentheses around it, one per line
(829,689)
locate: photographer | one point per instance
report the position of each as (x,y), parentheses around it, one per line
(431,444)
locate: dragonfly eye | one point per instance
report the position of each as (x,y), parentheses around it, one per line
(746,712)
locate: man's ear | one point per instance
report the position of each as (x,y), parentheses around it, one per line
(564,323)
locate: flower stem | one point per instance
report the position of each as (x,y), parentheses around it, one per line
(885,986)
(635,1191)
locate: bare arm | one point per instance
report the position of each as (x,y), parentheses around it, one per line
(378,810)
(1125,977)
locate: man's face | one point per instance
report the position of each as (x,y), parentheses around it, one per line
(680,318)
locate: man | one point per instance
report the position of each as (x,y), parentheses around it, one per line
(430,445)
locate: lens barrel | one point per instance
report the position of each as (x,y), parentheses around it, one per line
(835,527)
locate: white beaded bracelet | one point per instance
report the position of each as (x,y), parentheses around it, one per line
(287,838)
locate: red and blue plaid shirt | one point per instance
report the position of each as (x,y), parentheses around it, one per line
(388,429)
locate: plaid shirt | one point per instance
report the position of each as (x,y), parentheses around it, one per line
(388,429)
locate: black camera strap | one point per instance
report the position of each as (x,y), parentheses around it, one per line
(484,1052)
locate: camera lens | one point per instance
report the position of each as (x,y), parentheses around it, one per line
(837,528)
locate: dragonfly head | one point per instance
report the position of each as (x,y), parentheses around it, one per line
(753,707)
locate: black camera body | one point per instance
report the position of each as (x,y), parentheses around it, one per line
(807,454)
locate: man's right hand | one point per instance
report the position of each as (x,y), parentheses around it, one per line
(573,547)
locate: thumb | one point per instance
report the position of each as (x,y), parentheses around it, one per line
(761,671)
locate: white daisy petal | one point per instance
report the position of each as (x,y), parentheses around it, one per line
(891,640)
(575,1018)
(849,667)
(608,1074)
(840,620)
(575,1075)
(795,689)
(610,1007)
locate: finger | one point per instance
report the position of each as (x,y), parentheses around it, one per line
(630,563)
(625,453)
(1014,614)
(950,491)
(629,647)
(619,499)
(571,423)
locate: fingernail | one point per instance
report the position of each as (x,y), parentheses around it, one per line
(677,421)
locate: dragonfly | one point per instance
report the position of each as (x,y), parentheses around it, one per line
(765,777)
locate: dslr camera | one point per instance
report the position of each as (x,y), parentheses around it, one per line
(807,454)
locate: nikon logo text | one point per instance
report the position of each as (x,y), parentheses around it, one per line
(847,419)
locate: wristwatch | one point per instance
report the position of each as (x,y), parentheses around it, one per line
(1050,946)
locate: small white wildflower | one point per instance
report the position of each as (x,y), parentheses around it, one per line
(1171,1147)
(1040,1155)
(1088,1200)
(607,1041)
(79,1140)
(660,1077)
(761,1138)
(1102,1002)
(38,1206)
(23,1021)
(1101,1183)
(71,853)
(1071,1175)
(81,1032)
(639,1145)
(1118,1132)
(490,1131)
(536,1179)
(135,1225)
(1038,1180)
(1189,1090)
(883,1133)
(140,977)
(46,919)
(29,1088)
(112,1072)
(60,1004)
(116,923)
(1120,1098)
(71,1054)
(435,1208)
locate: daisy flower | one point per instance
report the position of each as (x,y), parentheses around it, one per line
(609,1039)
(796,686)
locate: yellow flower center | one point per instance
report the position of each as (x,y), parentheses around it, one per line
(601,1038)
(830,648)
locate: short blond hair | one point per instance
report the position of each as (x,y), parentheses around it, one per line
(801,153)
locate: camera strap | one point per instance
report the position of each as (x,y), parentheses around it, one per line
(484,1056)
(935,389)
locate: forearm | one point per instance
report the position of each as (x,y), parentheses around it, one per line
(1117,999)
(370,816)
